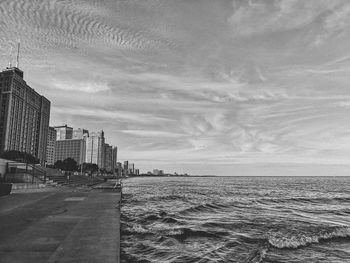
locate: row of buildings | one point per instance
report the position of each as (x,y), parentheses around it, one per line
(82,146)
(24,127)
(126,169)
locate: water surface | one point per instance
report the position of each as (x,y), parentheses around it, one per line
(236,219)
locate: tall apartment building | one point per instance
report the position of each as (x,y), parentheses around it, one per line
(64,132)
(71,148)
(24,116)
(51,141)
(95,149)
(108,158)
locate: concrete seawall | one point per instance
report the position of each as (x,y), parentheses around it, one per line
(61,225)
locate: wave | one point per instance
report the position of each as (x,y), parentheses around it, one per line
(185,233)
(151,218)
(170,220)
(179,233)
(164,219)
(168,198)
(208,207)
(257,256)
(322,200)
(132,229)
(281,240)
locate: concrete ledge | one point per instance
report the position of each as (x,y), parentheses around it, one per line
(19,186)
(21,178)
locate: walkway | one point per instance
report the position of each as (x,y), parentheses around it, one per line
(60,225)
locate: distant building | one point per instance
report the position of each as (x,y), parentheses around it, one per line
(64,132)
(73,148)
(80,133)
(158,172)
(131,168)
(108,158)
(24,116)
(95,150)
(137,172)
(119,169)
(115,159)
(51,141)
(126,165)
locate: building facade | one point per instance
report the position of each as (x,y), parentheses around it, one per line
(73,148)
(51,141)
(24,116)
(131,168)
(115,159)
(108,158)
(64,132)
(119,169)
(95,150)
(80,133)
(126,166)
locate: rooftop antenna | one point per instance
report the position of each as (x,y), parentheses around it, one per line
(18,47)
(10,57)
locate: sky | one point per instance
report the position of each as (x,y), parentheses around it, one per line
(195,86)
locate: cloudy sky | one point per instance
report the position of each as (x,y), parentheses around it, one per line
(192,85)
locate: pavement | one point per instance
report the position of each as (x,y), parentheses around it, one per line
(61,224)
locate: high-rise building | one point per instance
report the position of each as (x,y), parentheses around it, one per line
(126,165)
(119,169)
(72,148)
(24,116)
(80,133)
(51,140)
(108,158)
(131,168)
(64,132)
(115,159)
(137,172)
(95,148)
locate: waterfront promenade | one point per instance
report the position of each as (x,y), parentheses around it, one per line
(61,225)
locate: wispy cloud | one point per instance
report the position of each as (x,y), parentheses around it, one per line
(197,83)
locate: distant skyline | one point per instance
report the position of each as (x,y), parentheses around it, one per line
(192,86)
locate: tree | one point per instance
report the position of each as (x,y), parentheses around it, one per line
(60,165)
(70,164)
(90,167)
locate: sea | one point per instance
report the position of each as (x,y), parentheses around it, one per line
(236,219)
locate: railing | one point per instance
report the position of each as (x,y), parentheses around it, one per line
(30,169)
